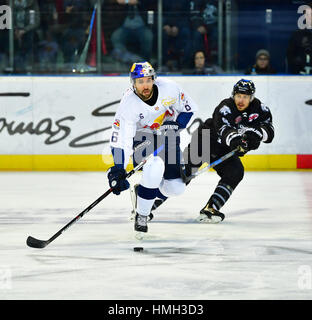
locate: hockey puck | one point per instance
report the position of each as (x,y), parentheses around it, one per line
(138,249)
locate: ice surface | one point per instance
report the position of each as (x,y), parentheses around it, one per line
(262,250)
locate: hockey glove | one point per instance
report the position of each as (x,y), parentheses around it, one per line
(235,140)
(253,137)
(241,145)
(117,179)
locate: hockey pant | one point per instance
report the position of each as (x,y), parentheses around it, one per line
(161,177)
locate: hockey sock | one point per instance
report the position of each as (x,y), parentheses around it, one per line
(145,199)
(220,196)
(160,195)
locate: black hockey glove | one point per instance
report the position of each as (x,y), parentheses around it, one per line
(253,137)
(117,179)
(235,140)
(241,144)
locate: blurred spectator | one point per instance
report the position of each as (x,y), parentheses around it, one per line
(134,32)
(77,15)
(204,17)
(26,19)
(262,65)
(299,53)
(47,52)
(50,34)
(176,34)
(50,18)
(201,67)
(48,14)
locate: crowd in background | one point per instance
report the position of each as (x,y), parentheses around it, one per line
(50,36)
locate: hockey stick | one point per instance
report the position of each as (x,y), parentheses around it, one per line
(187,179)
(36,243)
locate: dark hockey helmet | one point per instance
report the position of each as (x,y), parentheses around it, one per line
(245,87)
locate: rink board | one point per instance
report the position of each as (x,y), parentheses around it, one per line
(64,123)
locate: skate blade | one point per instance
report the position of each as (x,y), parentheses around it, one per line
(204,219)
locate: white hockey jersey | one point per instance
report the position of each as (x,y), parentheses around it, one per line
(133,114)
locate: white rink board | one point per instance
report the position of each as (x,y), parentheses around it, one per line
(58,116)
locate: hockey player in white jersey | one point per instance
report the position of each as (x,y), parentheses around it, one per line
(152,110)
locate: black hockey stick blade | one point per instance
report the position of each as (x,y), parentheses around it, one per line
(36,243)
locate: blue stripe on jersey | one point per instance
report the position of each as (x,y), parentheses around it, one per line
(183,119)
(119,157)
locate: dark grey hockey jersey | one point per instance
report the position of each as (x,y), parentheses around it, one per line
(227,118)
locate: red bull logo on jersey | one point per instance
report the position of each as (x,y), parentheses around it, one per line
(155,126)
(168,102)
(159,120)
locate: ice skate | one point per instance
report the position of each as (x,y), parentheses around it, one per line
(140,226)
(133,213)
(210,215)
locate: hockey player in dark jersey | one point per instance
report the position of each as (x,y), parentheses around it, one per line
(239,121)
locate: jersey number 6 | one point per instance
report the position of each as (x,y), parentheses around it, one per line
(114,136)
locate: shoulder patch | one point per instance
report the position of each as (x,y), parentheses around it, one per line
(264,107)
(225,110)
(116,124)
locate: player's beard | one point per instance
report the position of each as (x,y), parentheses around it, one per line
(146,94)
(241,106)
